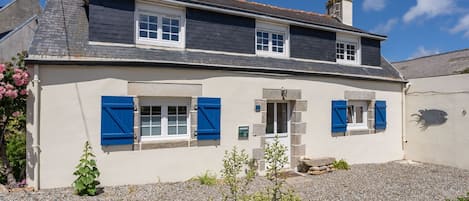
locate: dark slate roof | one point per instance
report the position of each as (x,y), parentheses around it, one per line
(449,63)
(62,37)
(278,12)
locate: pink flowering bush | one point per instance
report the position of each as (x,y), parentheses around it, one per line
(14,79)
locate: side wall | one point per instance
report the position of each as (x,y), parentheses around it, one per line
(112,21)
(437,120)
(70,113)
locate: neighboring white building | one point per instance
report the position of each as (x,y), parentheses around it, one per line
(161,89)
(437,104)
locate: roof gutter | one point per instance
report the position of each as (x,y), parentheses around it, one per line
(171,64)
(269,18)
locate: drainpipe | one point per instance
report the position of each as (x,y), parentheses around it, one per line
(35,143)
(405,88)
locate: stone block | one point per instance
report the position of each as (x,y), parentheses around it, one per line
(258,129)
(272,94)
(296,117)
(300,106)
(317,162)
(298,127)
(293,94)
(359,95)
(298,150)
(296,139)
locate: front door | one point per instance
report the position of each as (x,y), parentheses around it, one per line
(278,123)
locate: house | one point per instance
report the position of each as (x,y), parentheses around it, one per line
(162,88)
(17,27)
(436,108)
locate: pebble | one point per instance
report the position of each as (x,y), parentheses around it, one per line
(389,181)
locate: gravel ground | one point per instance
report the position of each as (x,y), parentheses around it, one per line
(390,181)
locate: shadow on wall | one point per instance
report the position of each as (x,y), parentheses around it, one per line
(426,118)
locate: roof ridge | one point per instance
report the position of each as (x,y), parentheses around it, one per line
(433,55)
(283,8)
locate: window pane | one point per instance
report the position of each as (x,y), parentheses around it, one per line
(270,118)
(153,19)
(143,26)
(166,36)
(359,114)
(156,110)
(145,121)
(156,121)
(153,35)
(259,34)
(172,120)
(156,131)
(282,118)
(182,130)
(172,130)
(153,27)
(175,23)
(143,34)
(350,112)
(145,131)
(182,110)
(265,35)
(172,110)
(174,37)
(145,110)
(182,120)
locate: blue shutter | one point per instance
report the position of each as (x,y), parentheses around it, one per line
(208,118)
(339,116)
(380,115)
(117,120)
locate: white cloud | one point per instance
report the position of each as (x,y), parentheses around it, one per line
(386,27)
(421,52)
(430,9)
(374,5)
(462,26)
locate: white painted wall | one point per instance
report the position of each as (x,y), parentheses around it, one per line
(70,114)
(445,144)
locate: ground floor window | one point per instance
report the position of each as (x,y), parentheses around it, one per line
(161,119)
(357,115)
(277,118)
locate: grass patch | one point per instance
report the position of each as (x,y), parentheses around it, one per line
(207,178)
(341,165)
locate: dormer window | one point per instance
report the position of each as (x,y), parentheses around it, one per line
(347,50)
(271,39)
(159,26)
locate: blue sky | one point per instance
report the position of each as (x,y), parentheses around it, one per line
(414,27)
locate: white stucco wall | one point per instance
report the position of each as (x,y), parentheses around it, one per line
(438,141)
(70,114)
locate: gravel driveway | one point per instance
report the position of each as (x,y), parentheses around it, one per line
(390,181)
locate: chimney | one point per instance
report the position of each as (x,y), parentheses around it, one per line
(342,10)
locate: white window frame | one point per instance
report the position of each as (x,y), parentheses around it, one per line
(165,103)
(160,11)
(349,40)
(275,119)
(272,28)
(354,125)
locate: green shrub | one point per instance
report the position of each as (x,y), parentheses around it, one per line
(341,165)
(207,178)
(16,153)
(87,173)
(235,163)
(276,159)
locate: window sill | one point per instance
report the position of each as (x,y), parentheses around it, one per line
(164,144)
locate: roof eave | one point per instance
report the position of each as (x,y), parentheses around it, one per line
(37,60)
